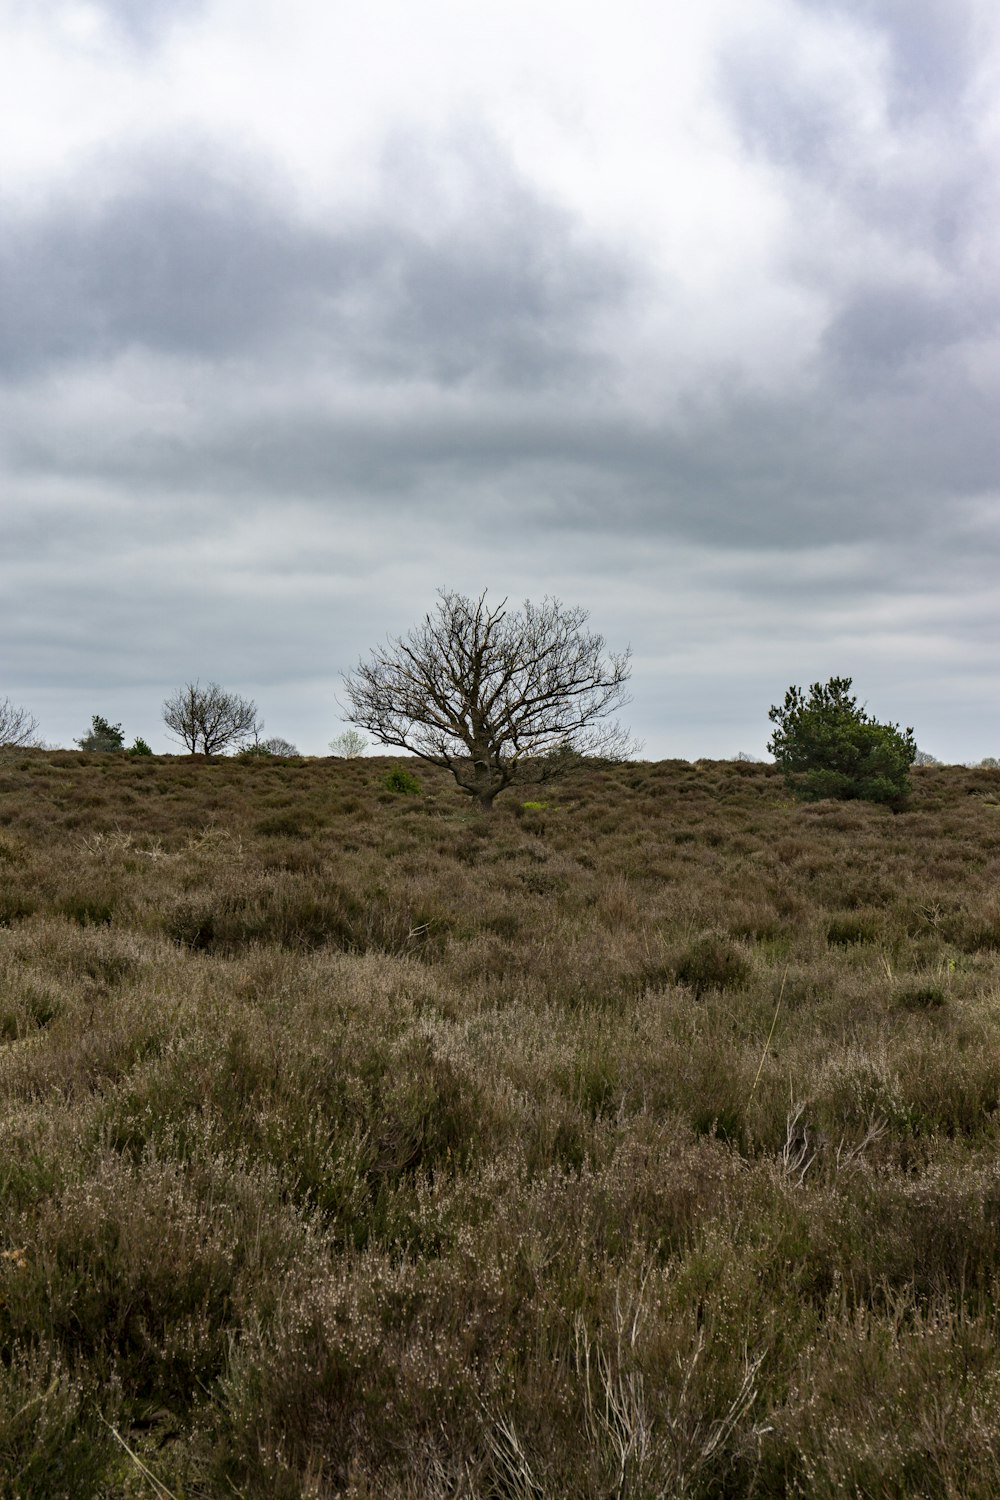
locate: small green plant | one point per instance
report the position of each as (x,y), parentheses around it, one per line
(535,806)
(829,747)
(398,780)
(139,747)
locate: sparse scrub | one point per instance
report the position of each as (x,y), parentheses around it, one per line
(351,1145)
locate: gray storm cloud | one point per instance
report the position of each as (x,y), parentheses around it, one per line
(223,411)
(183,255)
(203,266)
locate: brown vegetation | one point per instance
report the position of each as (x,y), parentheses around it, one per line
(358,1144)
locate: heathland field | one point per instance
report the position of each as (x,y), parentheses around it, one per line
(354,1143)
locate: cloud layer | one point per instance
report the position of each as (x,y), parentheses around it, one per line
(719,361)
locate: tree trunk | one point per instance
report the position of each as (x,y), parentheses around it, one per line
(483,782)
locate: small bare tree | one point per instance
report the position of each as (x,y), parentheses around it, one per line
(209,719)
(18,728)
(498,697)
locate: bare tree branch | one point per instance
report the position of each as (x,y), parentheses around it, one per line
(495,696)
(18,728)
(209,718)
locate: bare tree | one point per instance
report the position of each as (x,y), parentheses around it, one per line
(209,719)
(497,697)
(18,728)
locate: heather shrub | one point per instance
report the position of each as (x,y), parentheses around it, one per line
(712,963)
(117,1250)
(351,1144)
(852,928)
(52,1441)
(918,996)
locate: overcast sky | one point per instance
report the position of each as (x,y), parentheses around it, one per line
(688,314)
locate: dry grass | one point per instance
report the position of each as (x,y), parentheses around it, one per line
(639,1144)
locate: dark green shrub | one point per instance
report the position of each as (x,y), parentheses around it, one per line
(843,932)
(192,923)
(88,908)
(398,780)
(712,963)
(829,747)
(283,825)
(139,747)
(922,997)
(14,905)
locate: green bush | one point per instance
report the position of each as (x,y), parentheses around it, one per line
(139,747)
(103,736)
(829,747)
(398,780)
